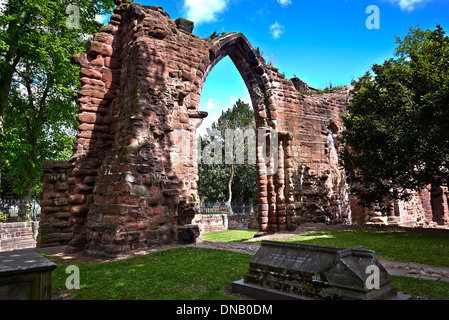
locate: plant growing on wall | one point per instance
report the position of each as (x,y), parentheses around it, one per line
(264,95)
(216,34)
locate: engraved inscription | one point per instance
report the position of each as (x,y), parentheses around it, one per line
(285,257)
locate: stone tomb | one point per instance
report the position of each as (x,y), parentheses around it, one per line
(25,275)
(281,270)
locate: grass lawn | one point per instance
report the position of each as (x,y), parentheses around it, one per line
(230,235)
(389,245)
(187,274)
(396,246)
(421,289)
(203,274)
(176,274)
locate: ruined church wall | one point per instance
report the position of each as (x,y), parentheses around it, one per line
(144,188)
(316,188)
(130,183)
(132,180)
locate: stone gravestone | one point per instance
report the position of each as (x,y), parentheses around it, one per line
(281,270)
(25,275)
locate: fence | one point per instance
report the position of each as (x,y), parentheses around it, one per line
(237,209)
(19,210)
(216,217)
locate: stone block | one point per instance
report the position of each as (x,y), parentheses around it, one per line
(79,210)
(100,48)
(60,202)
(185,25)
(76,199)
(62,215)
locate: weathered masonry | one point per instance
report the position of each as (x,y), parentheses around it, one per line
(132,180)
(142,77)
(129,185)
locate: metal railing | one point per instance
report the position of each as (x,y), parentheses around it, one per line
(237,209)
(19,210)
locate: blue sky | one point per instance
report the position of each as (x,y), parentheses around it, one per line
(319,41)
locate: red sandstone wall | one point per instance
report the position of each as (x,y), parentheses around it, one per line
(18,235)
(131,183)
(55,228)
(142,79)
(319,192)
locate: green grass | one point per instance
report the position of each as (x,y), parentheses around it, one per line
(203,274)
(230,235)
(187,274)
(176,274)
(396,246)
(421,289)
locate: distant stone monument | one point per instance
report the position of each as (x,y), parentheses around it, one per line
(281,270)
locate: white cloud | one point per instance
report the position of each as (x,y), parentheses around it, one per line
(276,30)
(210,104)
(408,5)
(204,11)
(284,3)
(104,19)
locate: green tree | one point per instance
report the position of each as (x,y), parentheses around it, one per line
(241,178)
(38,84)
(397,137)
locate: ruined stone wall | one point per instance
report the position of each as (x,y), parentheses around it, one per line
(424,209)
(132,190)
(211,222)
(132,180)
(100,70)
(55,227)
(18,235)
(315,186)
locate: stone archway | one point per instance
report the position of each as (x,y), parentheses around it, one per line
(131,181)
(252,70)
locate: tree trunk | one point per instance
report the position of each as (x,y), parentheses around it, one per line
(230,190)
(5,88)
(12,59)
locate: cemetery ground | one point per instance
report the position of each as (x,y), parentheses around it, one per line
(417,260)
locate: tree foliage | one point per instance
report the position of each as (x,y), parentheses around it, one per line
(38,84)
(229,180)
(397,126)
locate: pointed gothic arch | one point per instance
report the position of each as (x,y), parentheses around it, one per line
(256,79)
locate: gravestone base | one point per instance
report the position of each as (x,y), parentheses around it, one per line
(264,293)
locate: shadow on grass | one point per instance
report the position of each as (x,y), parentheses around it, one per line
(176,274)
